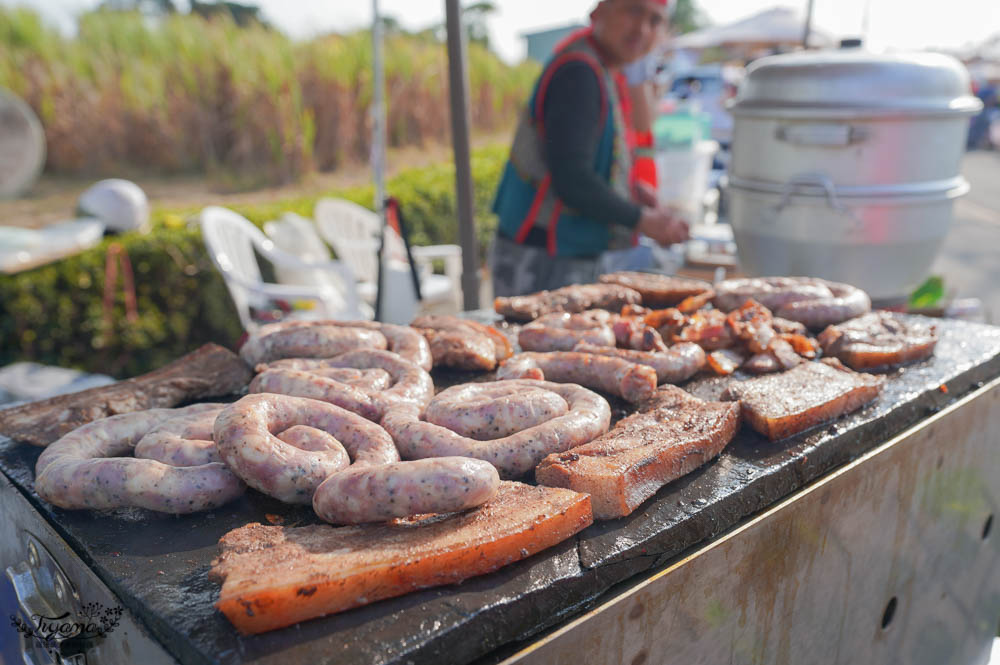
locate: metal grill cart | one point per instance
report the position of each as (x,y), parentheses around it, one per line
(869,540)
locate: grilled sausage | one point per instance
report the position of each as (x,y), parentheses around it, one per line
(313,379)
(285,340)
(678,363)
(587,416)
(183,440)
(562,331)
(811,301)
(325,339)
(614,376)
(366,493)
(87,469)
(291,471)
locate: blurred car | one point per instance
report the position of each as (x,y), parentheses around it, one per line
(705,88)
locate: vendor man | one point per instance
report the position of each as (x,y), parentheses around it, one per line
(567,193)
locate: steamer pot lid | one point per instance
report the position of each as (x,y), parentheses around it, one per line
(855,79)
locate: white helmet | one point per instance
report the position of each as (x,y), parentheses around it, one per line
(120,204)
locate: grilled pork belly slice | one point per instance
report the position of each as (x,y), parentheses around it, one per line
(572,299)
(209,371)
(657,290)
(275,576)
(780,405)
(879,340)
(672,434)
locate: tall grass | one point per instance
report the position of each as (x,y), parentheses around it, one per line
(186,94)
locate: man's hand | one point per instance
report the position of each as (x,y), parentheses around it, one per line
(662,225)
(645,194)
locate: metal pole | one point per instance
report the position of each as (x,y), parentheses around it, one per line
(808,28)
(378,110)
(865,18)
(458,84)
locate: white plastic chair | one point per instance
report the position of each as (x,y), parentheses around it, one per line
(354,233)
(231,240)
(297,235)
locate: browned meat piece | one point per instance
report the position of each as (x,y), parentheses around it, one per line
(671,435)
(275,576)
(780,405)
(709,329)
(633,333)
(806,347)
(658,290)
(816,303)
(786,327)
(668,322)
(463,344)
(778,356)
(209,371)
(694,303)
(761,363)
(635,311)
(879,340)
(572,299)
(725,361)
(751,323)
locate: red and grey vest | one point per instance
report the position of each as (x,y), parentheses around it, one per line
(525,198)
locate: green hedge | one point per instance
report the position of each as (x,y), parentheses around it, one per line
(56,314)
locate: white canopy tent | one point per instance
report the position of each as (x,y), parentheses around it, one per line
(771,27)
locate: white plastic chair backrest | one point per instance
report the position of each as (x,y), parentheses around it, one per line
(297,236)
(230,238)
(353,232)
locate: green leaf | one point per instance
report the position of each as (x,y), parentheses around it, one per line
(928,294)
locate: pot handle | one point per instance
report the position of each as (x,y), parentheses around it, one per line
(803,181)
(796,184)
(820,134)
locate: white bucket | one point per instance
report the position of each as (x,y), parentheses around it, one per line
(682,177)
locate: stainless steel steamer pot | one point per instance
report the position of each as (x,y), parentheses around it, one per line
(846,163)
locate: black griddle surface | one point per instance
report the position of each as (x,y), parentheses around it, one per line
(158,564)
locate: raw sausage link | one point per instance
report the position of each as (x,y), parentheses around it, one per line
(369,380)
(315,440)
(86,469)
(515,455)
(244,436)
(365,493)
(306,378)
(184,440)
(678,363)
(614,376)
(285,340)
(328,338)
(402,340)
(562,331)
